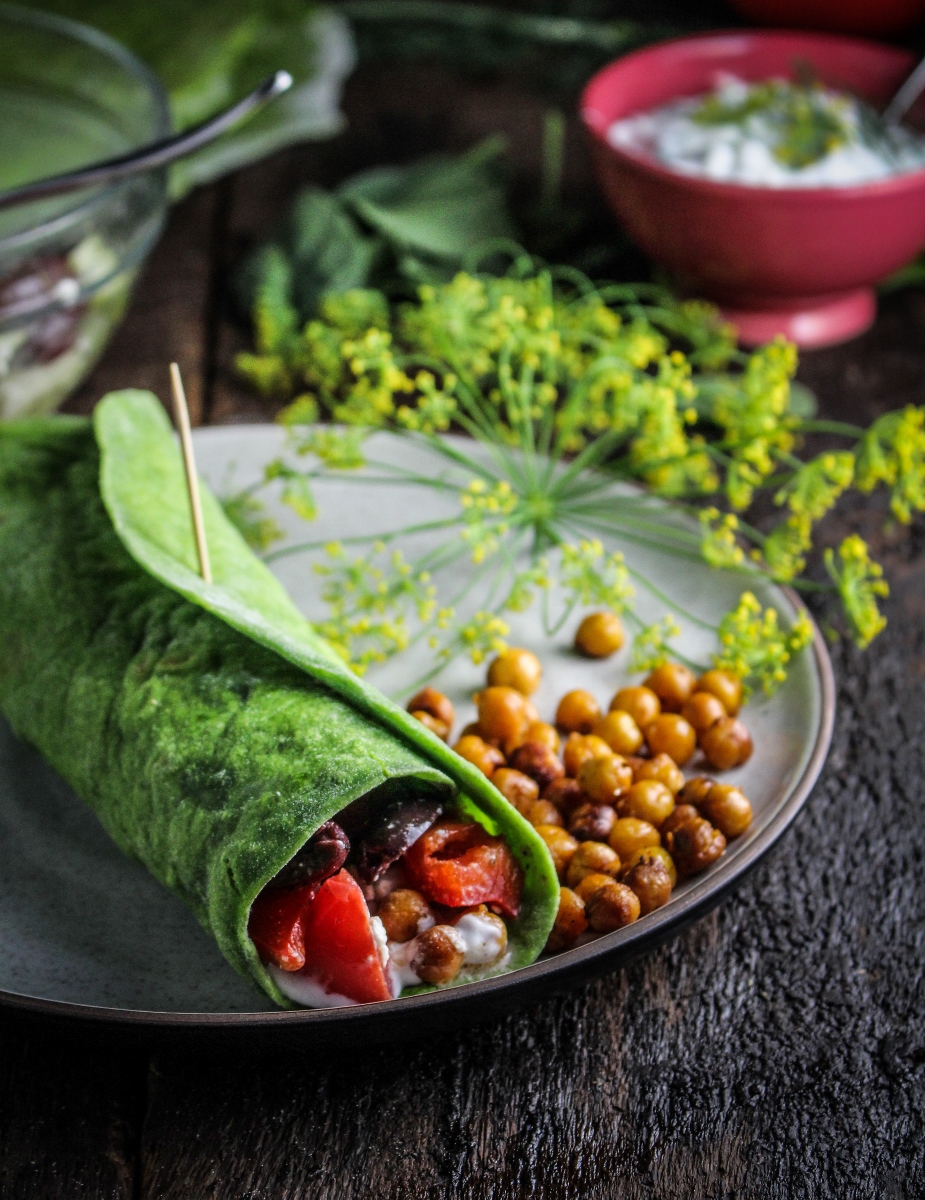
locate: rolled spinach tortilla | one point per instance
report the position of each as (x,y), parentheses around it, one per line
(207,725)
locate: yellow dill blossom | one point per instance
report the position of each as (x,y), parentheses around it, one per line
(754,647)
(650,645)
(860,582)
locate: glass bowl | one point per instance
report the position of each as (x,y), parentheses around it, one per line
(69,96)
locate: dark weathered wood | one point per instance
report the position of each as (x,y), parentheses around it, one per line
(774,1050)
(69,1116)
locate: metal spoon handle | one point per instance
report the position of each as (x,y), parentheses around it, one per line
(150,157)
(905,97)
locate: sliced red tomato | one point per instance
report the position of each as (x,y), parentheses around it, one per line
(275,925)
(340,952)
(459,865)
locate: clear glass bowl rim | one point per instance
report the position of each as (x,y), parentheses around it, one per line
(124,58)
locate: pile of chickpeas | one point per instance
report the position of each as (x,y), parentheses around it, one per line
(605,790)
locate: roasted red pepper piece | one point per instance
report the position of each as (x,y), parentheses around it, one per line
(275,925)
(340,952)
(460,865)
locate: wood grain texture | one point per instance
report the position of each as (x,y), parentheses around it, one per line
(774,1050)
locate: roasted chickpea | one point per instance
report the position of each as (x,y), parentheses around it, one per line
(570,922)
(577,712)
(439,954)
(545,735)
(516,787)
(565,794)
(475,955)
(592,822)
(662,768)
(647,800)
(531,711)
(672,683)
(440,728)
(542,812)
(501,715)
(561,846)
(580,748)
(695,845)
(591,883)
(619,731)
(680,815)
(600,635)
(629,834)
(516,668)
(641,703)
(727,744)
(651,883)
(670,734)
(402,913)
(539,762)
(612,906)
(604,779)
(431,701)
(701,710)
(592,858)
(728,808)
(725,687)
(696,790)
(473,749)
(472,730)
(652,854)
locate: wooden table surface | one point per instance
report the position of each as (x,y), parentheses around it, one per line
(775,1049)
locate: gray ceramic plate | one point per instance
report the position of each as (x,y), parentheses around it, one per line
(85,932)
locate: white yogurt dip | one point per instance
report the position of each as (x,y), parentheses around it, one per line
(772,135)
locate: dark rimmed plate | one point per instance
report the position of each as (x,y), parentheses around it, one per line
(87,933)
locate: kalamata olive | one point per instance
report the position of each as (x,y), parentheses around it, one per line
(728,808)
(431,701)
(565,794)
(662,768)
(630,834)
(537,761)
(599,635)
(580,748)
(323,855)
(570,922)
(434,724)
(651,882)
(672,683)
(393,831)
(502,716)
(592,858)
(605,779)
(725,687)
(612,906)
(727,744)
(695,790)
(404,913)
(542,812)
(515,787)
(561,846)
(701,710)
(478,752)
(592,822)
(619,731)
(648,855)
(577,712)
(641,703)
(516,668)
(680,816)
(670,734)
(647,800)
(695,845)
(438,954)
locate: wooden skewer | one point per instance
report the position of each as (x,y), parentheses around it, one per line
(181,412)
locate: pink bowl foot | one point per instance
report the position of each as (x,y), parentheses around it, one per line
(811,324)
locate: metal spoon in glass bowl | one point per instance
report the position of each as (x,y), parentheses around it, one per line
(153,156)
(907,95)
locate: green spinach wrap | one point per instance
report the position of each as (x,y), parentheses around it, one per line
(209,727)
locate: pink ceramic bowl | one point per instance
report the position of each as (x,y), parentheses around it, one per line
(795,261)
